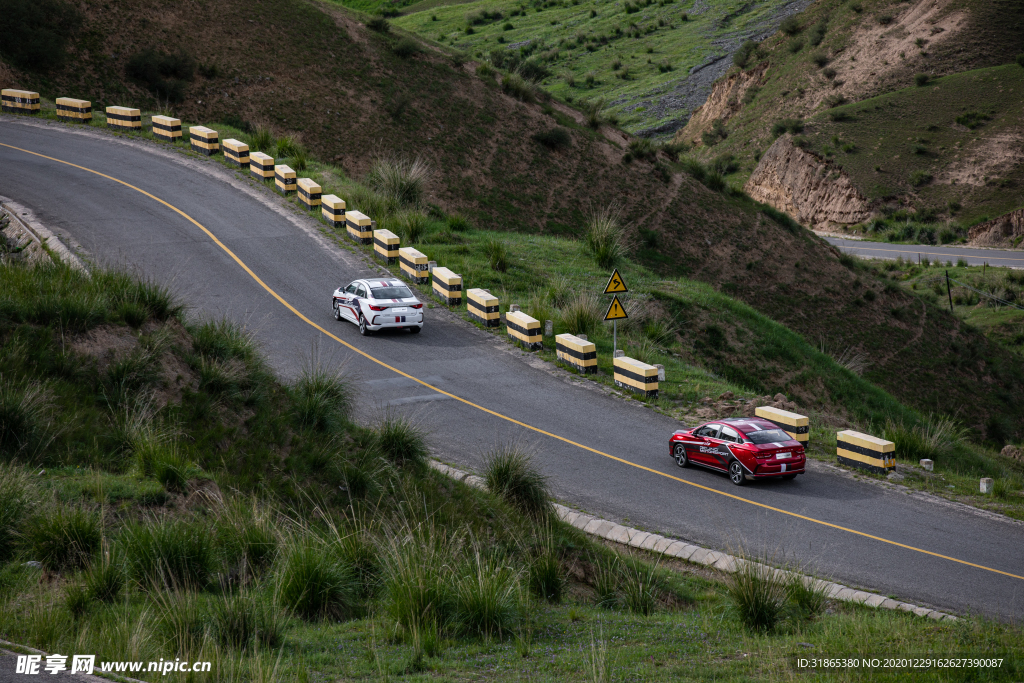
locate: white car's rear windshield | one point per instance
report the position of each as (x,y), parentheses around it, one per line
(768,436)
(401,292)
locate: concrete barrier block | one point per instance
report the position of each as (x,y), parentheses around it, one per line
(927,464)
(861,596)
(235,151)
(688,551)
(570,517)
(794,424)
(592,525)
(386,246)
(865,452)
(986,484)
(602,528)
(124,118)
(285,181)
(74,111)
(576,352)
(549,328)
(661,371)
(332,209)
(937,616)
(358,226)
(309,193)
(845,594)
(483,307)
(168,129)
(261,166)
(205,140)
(618,353)
(19,101)
(414,265)
(447,286)
(524,330)
(636,376)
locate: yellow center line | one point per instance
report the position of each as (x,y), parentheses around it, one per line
(488,410)
(926,253)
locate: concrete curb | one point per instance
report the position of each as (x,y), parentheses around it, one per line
(670,547)
(41,233)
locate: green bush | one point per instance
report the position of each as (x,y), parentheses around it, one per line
(106,576)
(417,580)
(34,34)
(261,140)
(486,597)
(694,167)
(581,314)
(400,441)
(26,421)
(165,75)
(758,594)
(807,595)
(919,178)
(412,226)
(819,58)
(515,85)
(405,48)
(638,586)
(790,25)
(921,79)
(17,498)
(547,581)
(604,237)
(248,620)
(715,182)
(175,553)
(314,584)
(379,24)
(64,537)
(792,126)
(398,178)
(497,254)
(323,396)
(554,138)
(510,474)
(744,54)
(817,33)
(937,438)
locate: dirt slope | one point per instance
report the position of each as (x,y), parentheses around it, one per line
(320,73)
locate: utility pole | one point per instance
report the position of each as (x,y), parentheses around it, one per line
(949,293)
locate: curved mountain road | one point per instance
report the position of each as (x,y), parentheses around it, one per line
(604,455)
(1008,258)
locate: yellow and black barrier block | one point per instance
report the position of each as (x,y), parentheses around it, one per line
(167,128)
(413,265)
(579,353)
(75,111)
(635,376)
(19,101)
(523,330)
(309,193)
(385,246)
(124,118)
(332,208)
(865,451)
(284,179)
(359,227)
(261,166)
(483,307)
(447,286)
(797,426)
(204,140)
(237,153)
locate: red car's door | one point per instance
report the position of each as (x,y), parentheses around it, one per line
(704,441)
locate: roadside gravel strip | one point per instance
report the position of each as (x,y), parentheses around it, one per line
(670,547)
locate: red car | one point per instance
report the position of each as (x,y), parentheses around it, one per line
(745,447)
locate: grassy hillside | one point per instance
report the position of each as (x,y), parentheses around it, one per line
(162,496)
(916,101)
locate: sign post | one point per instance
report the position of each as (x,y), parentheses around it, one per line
(616,285)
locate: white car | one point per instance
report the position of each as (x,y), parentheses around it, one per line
(378,304)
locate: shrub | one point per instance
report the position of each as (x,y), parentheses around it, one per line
(64,537)
(486,597)
(828,73)
(17,498)
(592,110)
(554,138)
(694,167)
(248,621)
(724,164)
(497,254)
(715,134)
(400,441)
(165,75)
(175,553)
(300,158)
(314,584)
(323,395)
(818,33)
(972,119)
(884,19)
(34,33)
(379,24)
(744,54)
(405,48)
(1020,60)
(546,579)
(248,540)
(919,178)
(413,226)
(819,58)
(286,146)
(510,474)
(76,600)
(261,139)
(604,236)
(582,314)
(641,148)
(934,439)
(398,178)
(796,45)
(457,223)
(715,182)
(792,126)
(638,586)
(758,594)
(106,576)
(921,79)
(790,25)
(807,595)
(515,85)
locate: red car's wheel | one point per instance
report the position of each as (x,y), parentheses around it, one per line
(736,474)
(679,453)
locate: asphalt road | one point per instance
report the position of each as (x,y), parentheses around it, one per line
(1011,258)
(856,533)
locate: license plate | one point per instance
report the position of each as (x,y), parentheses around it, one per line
(782,456)
(399,310)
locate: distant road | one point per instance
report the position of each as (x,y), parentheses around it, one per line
(1010,258)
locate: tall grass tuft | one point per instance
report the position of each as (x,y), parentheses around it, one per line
(638,586)
(758,593)
(400,441)
(582,314)
(64,537)
(592,112)
(413,227)
(515,85)
(510,474)
(937,438)
(106,578)
(286,147)
(223,340)
(606,581)
(323,394)
(604,237)
(26,425)
(183,621)
(497,254)
(314,584)
(807,595)
(248,540)
(416,583)
(399,177)
(261,140)
(546,579)
(175,553)
(486,596)
(248,621)
(17,499)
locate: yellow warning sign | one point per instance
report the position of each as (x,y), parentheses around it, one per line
(615,311)
(616,285)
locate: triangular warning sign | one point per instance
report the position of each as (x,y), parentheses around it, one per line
(616,285)
(615,311)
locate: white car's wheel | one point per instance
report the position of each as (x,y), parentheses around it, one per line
(363,329)
(337,312)
(415,330)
